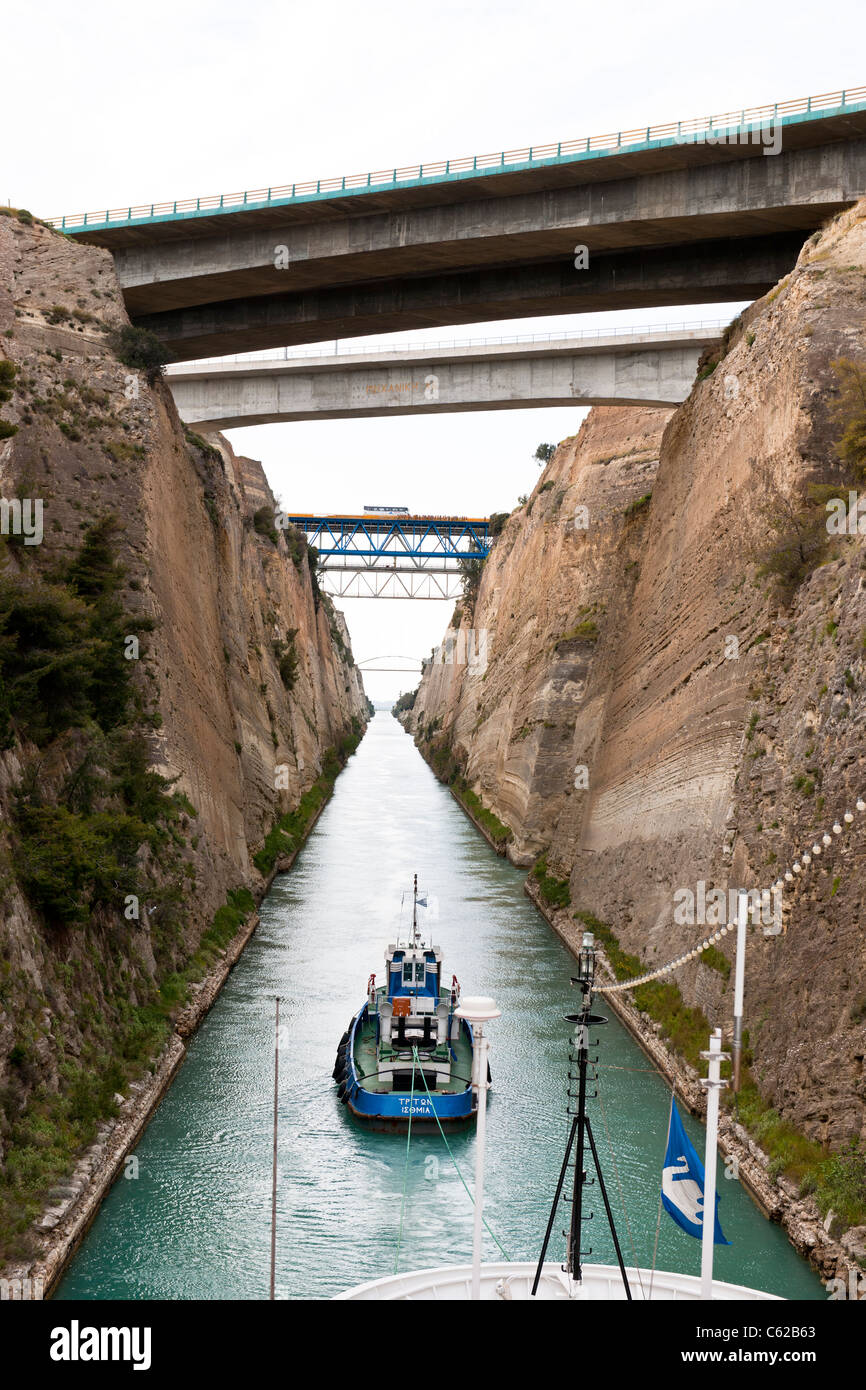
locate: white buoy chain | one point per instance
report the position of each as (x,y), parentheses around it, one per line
(799,866)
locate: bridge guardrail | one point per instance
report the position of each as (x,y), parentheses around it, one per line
(374,349)
(747,118)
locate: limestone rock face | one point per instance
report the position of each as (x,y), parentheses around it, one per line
(557,580)
(718,714)
(214,602)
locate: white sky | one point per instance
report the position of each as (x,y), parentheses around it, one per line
(117,104)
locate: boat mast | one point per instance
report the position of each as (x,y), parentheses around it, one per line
(581,1130)
(415,912)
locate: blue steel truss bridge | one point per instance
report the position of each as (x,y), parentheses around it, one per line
(420,557)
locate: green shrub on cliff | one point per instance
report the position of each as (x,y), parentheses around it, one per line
(62,648)
(840,1185)
(287,659)
(717,960)
(639,504)
(498,831)
(296,542)
(69,864)
(797,526)
(554,891)
(291,829)
(263,524)
(585,630)
(849,410)
(404,702)
(470,577)
(62,667)
(210,451)
(140,349)
(8,372)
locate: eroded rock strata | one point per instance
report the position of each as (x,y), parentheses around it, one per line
(172,685)
(674,685)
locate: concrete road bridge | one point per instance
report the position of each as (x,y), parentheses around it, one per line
(713,209)
(653,366)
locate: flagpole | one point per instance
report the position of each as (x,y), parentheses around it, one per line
(713,1085)
(739,983)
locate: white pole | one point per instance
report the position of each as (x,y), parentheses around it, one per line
(478,1010)
(480,1139)
(739,982)
(713,1084)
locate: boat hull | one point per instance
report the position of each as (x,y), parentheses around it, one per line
(393,1109)
(504,1281)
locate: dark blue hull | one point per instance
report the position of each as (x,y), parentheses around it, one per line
(393,1109)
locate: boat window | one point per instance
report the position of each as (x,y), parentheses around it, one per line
(413,972)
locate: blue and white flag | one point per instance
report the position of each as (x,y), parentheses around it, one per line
(683,1183)
(420,902)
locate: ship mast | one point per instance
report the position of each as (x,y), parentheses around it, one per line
(581,1130)
(415,912)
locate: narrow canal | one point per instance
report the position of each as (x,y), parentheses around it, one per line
(195,1222)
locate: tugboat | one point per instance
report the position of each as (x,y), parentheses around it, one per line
(407,1055)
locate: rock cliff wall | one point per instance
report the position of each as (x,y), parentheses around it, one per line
(172,683)
(674,686)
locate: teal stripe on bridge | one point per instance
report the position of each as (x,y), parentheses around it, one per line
(780,113)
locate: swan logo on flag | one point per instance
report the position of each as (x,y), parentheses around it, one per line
(683,1183)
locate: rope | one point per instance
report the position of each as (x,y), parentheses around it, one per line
(805,860)
(406,1166)
(659,1214)
(494,1238)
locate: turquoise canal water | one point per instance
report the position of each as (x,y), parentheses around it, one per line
(195,1223)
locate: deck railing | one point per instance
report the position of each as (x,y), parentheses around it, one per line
(529,156)
(627,332)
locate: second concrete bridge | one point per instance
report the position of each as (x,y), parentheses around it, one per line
(654,366)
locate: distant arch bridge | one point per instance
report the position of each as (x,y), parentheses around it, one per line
(411,667)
